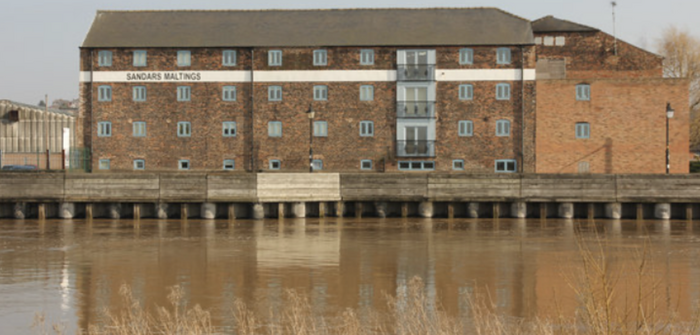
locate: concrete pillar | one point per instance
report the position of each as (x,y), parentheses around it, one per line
(88,211)
(662,211)
(299,209)
(208,211)
(41,211)
(496,210)
(566,210)
(339,209)
(258,211)
(425,209)
(184,213)
(381,208)
(358,210)
(404,209)
(66,210)
(322,209)
(613,210)
(543,210)
(450,210)
(591,211)
(231,212)
(162,210)
(280,211)
(640,211)
(518,210)
(137,211)
(115,211)
(473,210)
(689,211)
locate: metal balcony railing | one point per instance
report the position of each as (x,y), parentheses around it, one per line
(416,72)
(415,148)
(415,109)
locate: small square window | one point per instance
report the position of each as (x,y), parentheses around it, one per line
(583,92)
(275,164)
(548,41)
(320,92)
(274,93)
(466,92)
(320,128)
(503,56)
(502,128)
(104,129)
(139,129)
(229,164)
(140,58)
(583,130)
(317,164)
(366,128)
(228,57)
(103,164)
(274,129)
(466,56)
(584,167)
(184,58)
(183,164)
(184,129)
(506,165)
(229,129)
(466,128)
(320,57)
(366,93)
(503,92)
(366,164)
(538,40)
(366,57)
(139,93)
(274,58)
(139,164)
(104,58)
(104,93)
(458,164)
(229,93)
(560,41)
(184,93)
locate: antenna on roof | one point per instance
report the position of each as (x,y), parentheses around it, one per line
(614,4)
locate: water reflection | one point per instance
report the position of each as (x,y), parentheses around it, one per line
(74,269)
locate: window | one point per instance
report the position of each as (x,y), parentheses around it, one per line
(104,58)
(184,58)
(274,129)
(420,165)
(538,40)
(274,93)
(584,167)
(183,164)
(229,93)
(274,58)
(229,164)
(228,57)
(506,165)
(320,93)
(366,164)
(275,164)
(320,57)
(139,129)
(503,56)
(366,128)
(139,93)
(366,93)
(104,129)
(184,93)
(583,130)
(502,128)
(466,128)
(503,92)
(139,164)
(548,41)
(583,92)
(466,92)
(184,129)
(229,129)
(320,128)
(366,57)
(560,41)
(317,164)
(104,164)
(104,93)
(466,56)
(458,164)
(140,58)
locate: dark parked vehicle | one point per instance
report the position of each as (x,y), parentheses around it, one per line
(19,167)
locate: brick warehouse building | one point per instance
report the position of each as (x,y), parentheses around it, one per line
(447,89)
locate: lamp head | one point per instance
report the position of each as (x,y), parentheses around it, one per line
(669,111)
(310,113)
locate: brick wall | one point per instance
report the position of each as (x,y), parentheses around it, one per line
(627,126)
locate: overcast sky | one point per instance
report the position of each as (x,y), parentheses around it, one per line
(39,39)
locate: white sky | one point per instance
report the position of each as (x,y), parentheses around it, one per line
(39,39)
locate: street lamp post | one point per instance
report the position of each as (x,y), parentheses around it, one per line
(310,113)
(669,115)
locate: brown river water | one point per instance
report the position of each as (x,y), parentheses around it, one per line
(72,270)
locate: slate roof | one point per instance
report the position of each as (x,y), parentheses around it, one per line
(549,24)
(308,28)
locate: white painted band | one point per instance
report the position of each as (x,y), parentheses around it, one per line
(484,75)
(324,76)
(166,76)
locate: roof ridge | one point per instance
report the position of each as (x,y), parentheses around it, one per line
(297,10)
(43,109)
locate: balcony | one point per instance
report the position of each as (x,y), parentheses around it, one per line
(415,148)
(415,109)
(416,72)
